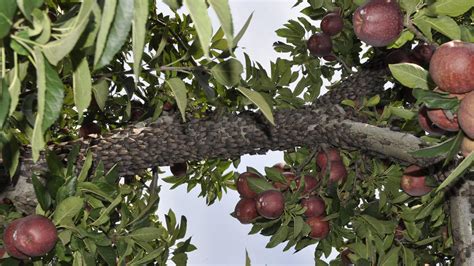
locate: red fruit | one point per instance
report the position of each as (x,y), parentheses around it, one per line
(413,181)
(440,118)
(338,172)
(423,52)
(400,56)
(452,65)
(314,206)
(270,204)
(330,58)
(310,183)
(332,24)
(35,236)
(378,22)
(9,241)
(289,176)
(243,186)
(319,44)
(246,210)
(2,252)
(167,106)
(322,157)
(345,257)
(399,232)
(282,167)
(467,146)
(319,227)
(427,125)
(179,169)
(466,115)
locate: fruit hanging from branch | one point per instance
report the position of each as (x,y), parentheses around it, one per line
(270,204)
(246,210)
(378,22)
(452,65)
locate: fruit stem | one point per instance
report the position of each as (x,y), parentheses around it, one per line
(409,25)
(343,63)
(300,168)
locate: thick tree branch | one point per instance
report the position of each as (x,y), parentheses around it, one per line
(461,222)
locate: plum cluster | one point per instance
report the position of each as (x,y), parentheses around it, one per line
(270,204)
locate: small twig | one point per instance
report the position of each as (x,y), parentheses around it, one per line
(409,25)
(300,168)
(154,181)
(344,64)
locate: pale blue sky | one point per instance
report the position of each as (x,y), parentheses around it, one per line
(220,238)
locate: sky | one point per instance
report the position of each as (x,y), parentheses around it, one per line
(220,238)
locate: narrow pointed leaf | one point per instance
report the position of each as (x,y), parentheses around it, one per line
(118,32)
(105,24)
(202,22)
(7,11)
(222,9)
(57,50)
(258,100)
(180,93)
(82,85)
(140,16)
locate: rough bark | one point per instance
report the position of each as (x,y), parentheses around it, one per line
(461,221)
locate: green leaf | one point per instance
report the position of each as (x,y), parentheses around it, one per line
(408,257)
(118,33)
(4,102)
(101,93)
(202,22)
(259,185)
(298,225)
(435,150)
(27,6)
(222,9)
(11,154)
(173,4)
(85,167)
(427,241)
(105,213)
(278,237)
(410,75)
(15,83)
(258,100)
(50,100)
(402,112)
(82,85)
(446,26)
(146,234)
(434,100)
(140,17)
(42,195)
(247,259)
(105,24)
(180,93)
(242,31)
(7,11)
(57,50)
(391,258)
(452,8)
(457,172)
(67,209)
(228,73)
(409,5)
